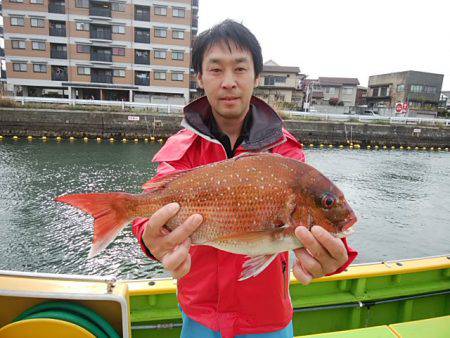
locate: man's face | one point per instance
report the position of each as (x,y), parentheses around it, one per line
(228,78)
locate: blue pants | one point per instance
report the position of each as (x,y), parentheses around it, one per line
(192,329)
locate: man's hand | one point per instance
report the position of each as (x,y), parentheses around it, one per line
(171,248)
(321,254)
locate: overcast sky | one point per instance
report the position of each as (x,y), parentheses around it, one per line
(346,38)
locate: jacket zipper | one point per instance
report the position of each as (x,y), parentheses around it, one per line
(283,264)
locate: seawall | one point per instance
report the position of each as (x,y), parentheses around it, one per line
(65,123)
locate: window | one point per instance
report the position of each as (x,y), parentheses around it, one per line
(160,54)
(142,78)
(430,89)
(40,68)
(159,75)
(384,91)
(330,90)
(177,76)
(177,55)
(82,26)
(38,45)
(18,44)
(119,51)
(19,1)
(375,91)
(83,49)
(19,67)
(83,70)
(142,35)
(118,6)
(161,10)
(37,22)
(40,2)
(82,3)
(178,12)
(17,21)
(142,13)
(160,32)
(177,34)
(400,88)
(119,72)
(118,29)
(347,91)
(416,88)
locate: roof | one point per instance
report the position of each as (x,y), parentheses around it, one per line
(272,66)
(338,81)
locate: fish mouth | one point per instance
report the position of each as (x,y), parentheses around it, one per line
(346,227)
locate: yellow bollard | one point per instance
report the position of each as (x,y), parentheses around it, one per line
(311,145)
(432,148)
(439,149)
(330,146)
(401,148)
(446,149)
(85,139)
(384,147)
(350,147)
(99,139)
(44,138)
(136,140)
(124,140)
(341,146)
(408,147)
(1,137)
(416,148)
(152,138)
(393,147)
(160,140)
(368,147)
(58,138)
(424,148)
(71,138)
(111,139)
(145,139)
(29,138)
(15,138)
(377,147)
(321,145)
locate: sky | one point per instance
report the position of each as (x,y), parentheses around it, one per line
(344,38)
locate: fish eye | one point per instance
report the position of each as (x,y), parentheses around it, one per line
(328,200)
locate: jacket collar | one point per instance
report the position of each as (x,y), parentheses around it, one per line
(264,131)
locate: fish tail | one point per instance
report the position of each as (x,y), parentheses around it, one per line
(111,212)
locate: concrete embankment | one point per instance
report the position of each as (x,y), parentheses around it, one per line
(65,123)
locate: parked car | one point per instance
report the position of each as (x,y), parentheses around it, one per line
(369,113)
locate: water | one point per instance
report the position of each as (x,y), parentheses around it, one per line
(401,199)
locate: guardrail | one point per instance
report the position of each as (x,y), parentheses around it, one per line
(367,118)
(162,108)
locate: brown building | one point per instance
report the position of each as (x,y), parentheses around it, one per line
(419,89)
(135,50)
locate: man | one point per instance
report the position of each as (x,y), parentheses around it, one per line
(227,122)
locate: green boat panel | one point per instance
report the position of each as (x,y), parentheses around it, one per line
(370,332)
(434,327)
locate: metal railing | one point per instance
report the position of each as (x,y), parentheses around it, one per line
(57,8)
(100,11)
(101,57)
(101,78)
(366,118)
(57,54)
(57,31)
(162,108)
(101,35)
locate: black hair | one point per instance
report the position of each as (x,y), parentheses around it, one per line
(228,31)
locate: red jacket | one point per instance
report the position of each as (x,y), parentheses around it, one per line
(210,293)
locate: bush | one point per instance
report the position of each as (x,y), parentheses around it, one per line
(333,101)
(8,103)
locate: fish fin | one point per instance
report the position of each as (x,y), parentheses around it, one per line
(110,212)
(255,265)
(157,183)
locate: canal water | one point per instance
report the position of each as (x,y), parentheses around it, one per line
(402,200)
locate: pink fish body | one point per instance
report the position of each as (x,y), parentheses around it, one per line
(250,205)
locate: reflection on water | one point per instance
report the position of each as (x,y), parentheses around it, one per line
(401,199)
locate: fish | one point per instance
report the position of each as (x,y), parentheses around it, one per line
(251,205)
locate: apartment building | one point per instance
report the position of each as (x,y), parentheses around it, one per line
(420,90)
(132,50)
(280,85)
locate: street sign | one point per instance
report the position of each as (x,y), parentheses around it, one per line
(399,107)
(405,107)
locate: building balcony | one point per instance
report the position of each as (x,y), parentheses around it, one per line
(142,38)
(101,78)
(141,81)
(142,60)
(59,73)
(57,7)
(100,35)
(58,54)
(101,57)
(195,3)
(57,31)
(100,11)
